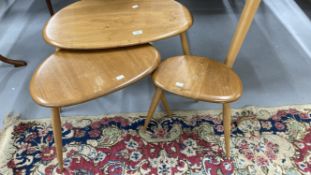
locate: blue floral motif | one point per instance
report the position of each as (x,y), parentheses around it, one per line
(34,142)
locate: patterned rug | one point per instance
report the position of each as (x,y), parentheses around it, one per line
(271,141)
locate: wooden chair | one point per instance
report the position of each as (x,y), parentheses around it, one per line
(203,79)
(72,77)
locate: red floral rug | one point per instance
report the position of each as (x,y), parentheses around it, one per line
(264,141)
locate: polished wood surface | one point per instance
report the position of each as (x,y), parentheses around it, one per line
(57,133)
(98,24)
(203,79)
(72,77)
(198,78)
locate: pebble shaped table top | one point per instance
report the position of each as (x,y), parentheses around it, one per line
(70,77)
(100,24)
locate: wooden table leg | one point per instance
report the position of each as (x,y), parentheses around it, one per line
(165,105)
(185,44)
(57,131)
(50,7)
(227,127)
(16,63)
(155,101)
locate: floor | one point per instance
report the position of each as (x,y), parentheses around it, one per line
(274,63)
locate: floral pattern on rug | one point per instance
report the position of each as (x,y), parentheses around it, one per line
(262,143)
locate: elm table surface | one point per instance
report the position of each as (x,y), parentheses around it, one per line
(98,24)
(72,77)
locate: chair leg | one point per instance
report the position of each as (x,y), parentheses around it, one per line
(185,43)
(50,7)
(227,127)
(16,63)
(57,131)
(165,105)
(155,101)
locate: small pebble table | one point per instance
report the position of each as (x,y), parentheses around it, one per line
(102,46)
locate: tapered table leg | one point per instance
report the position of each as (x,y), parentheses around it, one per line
(165,105)
(57,132)
(185,44)
(227,127)
(155,101)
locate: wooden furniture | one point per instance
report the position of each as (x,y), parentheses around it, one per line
(80,71)
(15,63)
(50,7)
(100,24)
(201,78)
(20,63)
(72,77)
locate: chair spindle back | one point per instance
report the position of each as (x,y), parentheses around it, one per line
(242,29)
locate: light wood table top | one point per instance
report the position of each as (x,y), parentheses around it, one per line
(99,24)
(73,77)
(198,78)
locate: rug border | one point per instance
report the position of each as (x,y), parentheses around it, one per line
(13,119)
(10,119)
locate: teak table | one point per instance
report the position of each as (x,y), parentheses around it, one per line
(86,35)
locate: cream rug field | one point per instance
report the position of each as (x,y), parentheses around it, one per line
(265,141)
